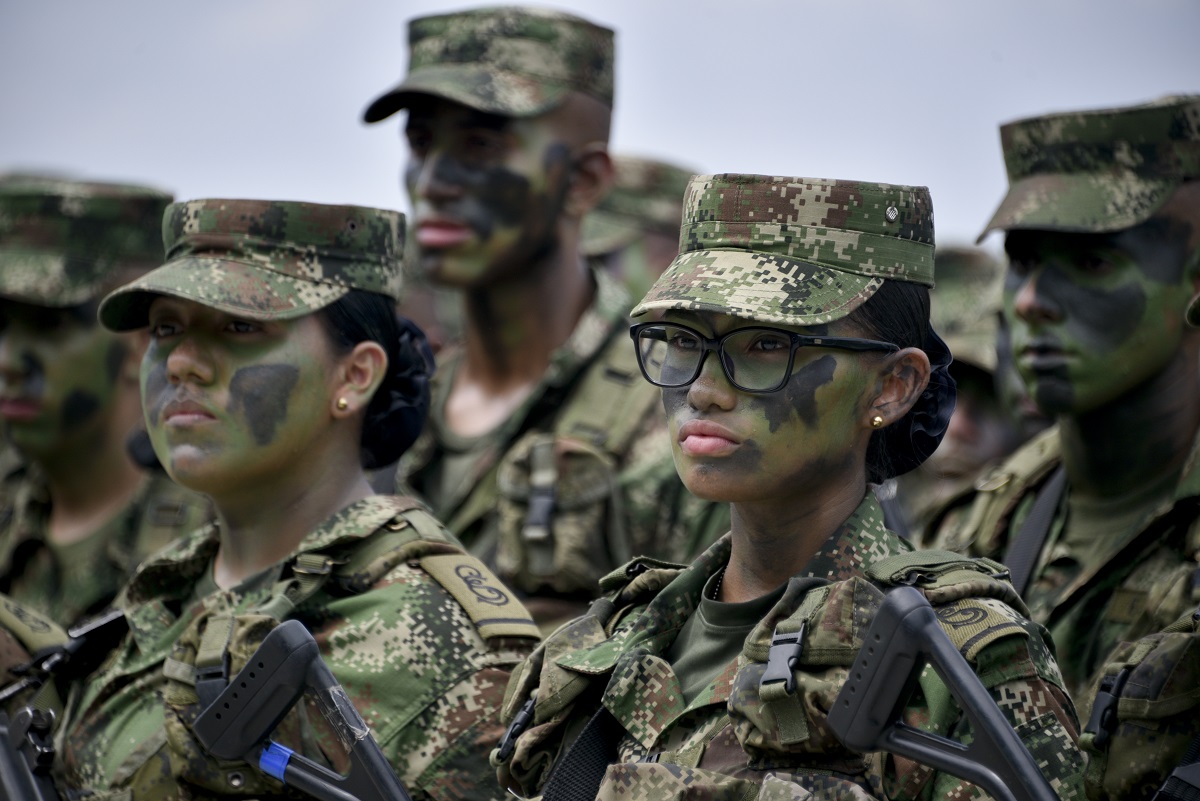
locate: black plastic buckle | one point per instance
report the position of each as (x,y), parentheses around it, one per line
(1103,720)
(508,743)
(785,652)
(211,681)
(540,514)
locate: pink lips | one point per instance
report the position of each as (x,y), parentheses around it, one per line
(441,233)
(185,413)
(19,409)
(705,438)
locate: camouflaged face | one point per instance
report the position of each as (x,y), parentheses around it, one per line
(1097,171)
(965,304)
(266,259)
(519,62)
(797,251)
(64,242)
(646,196)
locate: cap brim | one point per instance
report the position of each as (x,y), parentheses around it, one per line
(480,88)
(239,288)
(757,286)
(35,277)
(1080,203)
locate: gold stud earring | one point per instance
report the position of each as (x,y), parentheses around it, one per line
(343,404)
(876,422)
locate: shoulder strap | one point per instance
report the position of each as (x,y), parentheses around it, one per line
(577,776)
(1024,550)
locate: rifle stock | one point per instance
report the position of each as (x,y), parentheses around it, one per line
(286,666)
(867,714)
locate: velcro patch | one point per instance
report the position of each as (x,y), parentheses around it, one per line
(491,606)
(975,623)
(1126,605)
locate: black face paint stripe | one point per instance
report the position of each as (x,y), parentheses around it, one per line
(261,393)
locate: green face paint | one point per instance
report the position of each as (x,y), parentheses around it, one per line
(736,446)
(487,191)
(1094,315)
(231,402)
(59,372)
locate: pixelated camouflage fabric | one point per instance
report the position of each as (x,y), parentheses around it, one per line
(61,241)
(266,259)
(726,742)
(647,195)
(407,654)
(1100,170)
(965,305)
(798,251)
(519,62)
(69,585)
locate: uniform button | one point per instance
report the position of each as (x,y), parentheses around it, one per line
(235,778)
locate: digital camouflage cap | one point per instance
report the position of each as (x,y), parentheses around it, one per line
(796,251)
(1097,171)
(513,61)
(647,195)
(965,306)
(65,242)
(266,259)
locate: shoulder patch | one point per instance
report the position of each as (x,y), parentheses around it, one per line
(492,606)
(975,623)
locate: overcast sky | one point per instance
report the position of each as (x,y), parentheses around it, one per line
(263,98)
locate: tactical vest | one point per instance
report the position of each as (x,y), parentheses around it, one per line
(792,666)
(215,646)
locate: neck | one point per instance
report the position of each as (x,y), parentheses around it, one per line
(1140,437)
(773,542)
(94,480)
(512,329)
(263,526)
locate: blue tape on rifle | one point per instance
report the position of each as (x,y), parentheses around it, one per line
(274,760)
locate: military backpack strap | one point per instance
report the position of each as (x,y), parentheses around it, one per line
(1026,547)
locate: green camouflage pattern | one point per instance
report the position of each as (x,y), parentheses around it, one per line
(64,242)
(514,61)
(616,493)
(1098,170)
(409,656)
(965,305)
(796,251)
(71,583)
(1156,718)
(647,195)
(727,742)
(1123,597)
(266,259)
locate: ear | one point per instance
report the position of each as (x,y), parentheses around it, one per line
(903,377)
(359,375)
(592,175)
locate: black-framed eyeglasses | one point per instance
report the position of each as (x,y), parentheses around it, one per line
(754,359)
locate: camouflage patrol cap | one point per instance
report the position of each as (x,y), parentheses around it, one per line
(1097,171)
(65,242)
(518,62)
(265,259)
(646,196)
(965,306)
(796,251)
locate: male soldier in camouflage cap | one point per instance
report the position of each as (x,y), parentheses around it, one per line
(1097,516)
(964,309)
(544,449)
(635,229)
(79,513)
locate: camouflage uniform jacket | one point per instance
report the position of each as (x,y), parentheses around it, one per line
(31,573)
(1145,581)
(730,741)
(421,637)
(578,481)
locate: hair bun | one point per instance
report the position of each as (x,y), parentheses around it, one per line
(917,435)
(397,419)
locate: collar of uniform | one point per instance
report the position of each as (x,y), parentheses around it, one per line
(858,542)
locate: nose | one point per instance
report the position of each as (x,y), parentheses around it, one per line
(1031,302)
(431,177)
(711,389)
(13,361)
(189,362)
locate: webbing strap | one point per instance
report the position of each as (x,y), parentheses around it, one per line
(1023,552)
(577,776)
(212,658)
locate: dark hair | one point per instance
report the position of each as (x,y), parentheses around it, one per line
(898,312)
(398,409)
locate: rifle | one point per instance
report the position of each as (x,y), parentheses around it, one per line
(238,724)
(867,713)
(26,749)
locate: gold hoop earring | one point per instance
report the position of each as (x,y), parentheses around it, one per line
(343,404)
(876,422)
